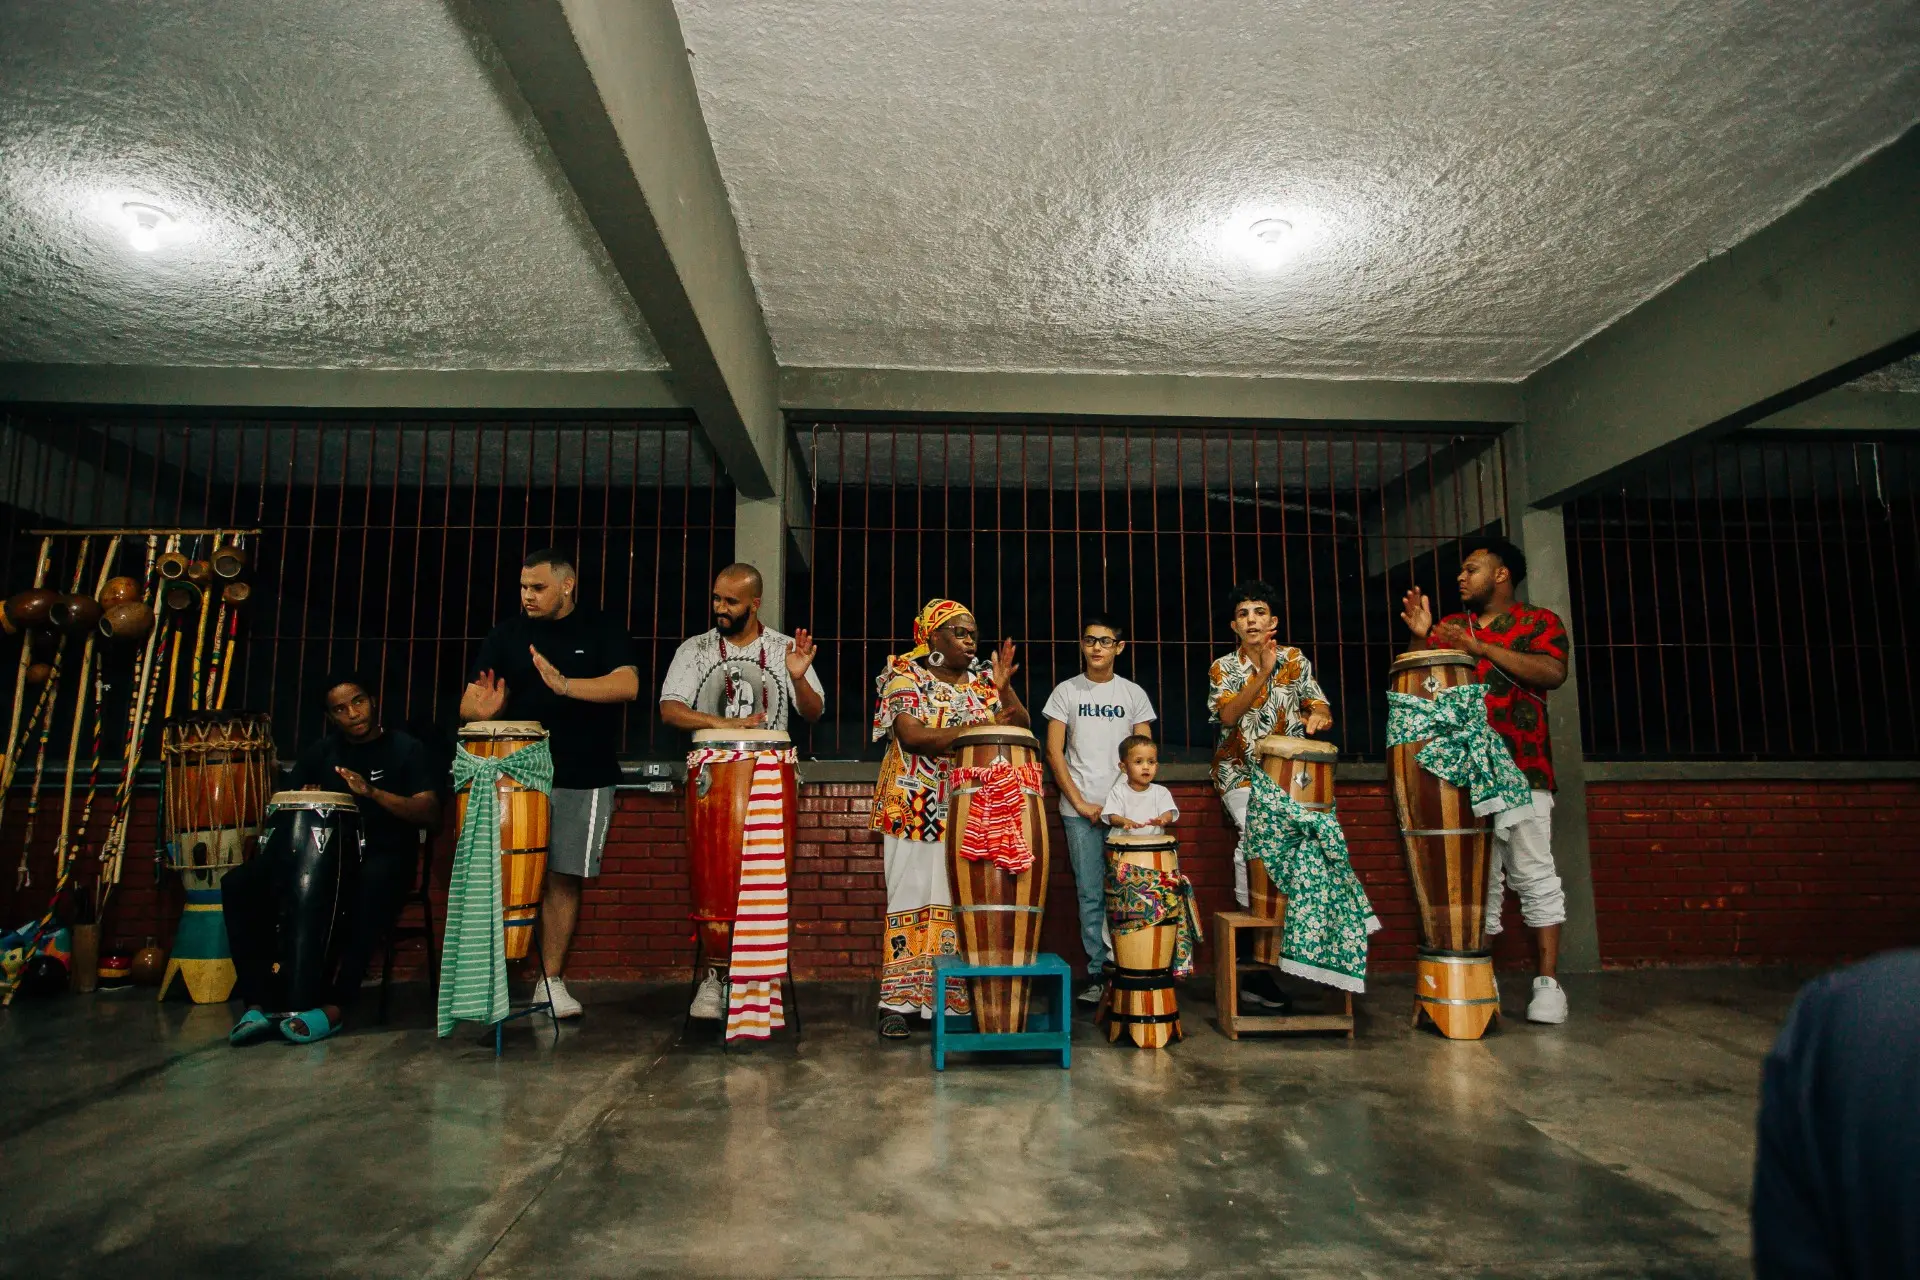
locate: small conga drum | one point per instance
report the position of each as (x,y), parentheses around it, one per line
(1304,770)
(717,794)
(999,911)
(217,772)
(1449,854)
(311,851)
(1143,1002)
(524,818)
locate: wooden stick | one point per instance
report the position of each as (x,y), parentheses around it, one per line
(123,814)
(24,876)
(213,661)
(11,760)
(143,673)
(80,693)
(173,676)
(226,663)
(199,646)
(143,532)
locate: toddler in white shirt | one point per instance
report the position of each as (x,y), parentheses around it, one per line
(1137,804)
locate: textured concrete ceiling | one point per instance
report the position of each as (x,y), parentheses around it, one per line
(1480,183)
(359,191)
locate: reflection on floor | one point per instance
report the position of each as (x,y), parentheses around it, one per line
(138,1144)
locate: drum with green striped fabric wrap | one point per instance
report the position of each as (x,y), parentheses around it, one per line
(525,818)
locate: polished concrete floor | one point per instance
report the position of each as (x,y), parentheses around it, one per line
(137,1144)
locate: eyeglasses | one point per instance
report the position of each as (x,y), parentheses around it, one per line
(1099,642)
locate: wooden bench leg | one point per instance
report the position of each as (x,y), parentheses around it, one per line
(1226,978)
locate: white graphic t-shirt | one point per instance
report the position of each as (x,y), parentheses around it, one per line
(1098,717)
(711,675)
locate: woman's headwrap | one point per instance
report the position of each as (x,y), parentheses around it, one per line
(932,616)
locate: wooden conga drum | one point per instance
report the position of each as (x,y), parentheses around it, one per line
(717,793)
(217,771)
(1449,854)
(1143,1003)
(1304,770)
(999,912)
(525,814)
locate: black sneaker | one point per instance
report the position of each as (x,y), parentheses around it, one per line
(1261,992)
(1091,993)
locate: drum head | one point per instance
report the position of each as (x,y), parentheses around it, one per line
(311,800)
(1431,658)
(1122,841)
(503,729)
(1296,749)
(995,735)
(764,739)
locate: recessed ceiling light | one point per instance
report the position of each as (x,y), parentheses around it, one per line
(1271,232)
(147,226)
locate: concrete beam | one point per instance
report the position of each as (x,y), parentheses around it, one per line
(822,392)
(157,385)
(1844,409)
(609,83)
(1830,289)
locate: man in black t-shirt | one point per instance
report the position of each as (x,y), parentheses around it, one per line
(395,786)
(569,668)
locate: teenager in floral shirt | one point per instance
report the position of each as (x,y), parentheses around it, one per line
(1522,655)
(1260,689)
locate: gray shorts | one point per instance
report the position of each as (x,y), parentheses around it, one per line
(578,833)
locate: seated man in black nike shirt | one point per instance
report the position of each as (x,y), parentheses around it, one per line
(393,780)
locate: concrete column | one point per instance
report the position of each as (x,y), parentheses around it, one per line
(760,539)
(1543,536)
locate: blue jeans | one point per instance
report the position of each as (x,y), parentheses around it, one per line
(1087,851)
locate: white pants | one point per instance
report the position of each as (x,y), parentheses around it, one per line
(1523,858)
(1235,802)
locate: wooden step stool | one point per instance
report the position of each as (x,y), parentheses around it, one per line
(1226,984)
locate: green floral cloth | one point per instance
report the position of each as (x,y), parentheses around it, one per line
(1464,749)
(1140,897)
(473,960)
(1328,915)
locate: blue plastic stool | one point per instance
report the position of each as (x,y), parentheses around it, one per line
(1054,1031)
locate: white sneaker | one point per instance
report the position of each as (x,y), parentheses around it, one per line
(564,1005)
(709,1001)
(1549,1003)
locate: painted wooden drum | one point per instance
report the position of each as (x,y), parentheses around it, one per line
(1143,1003)
(217,772)
(717,793)
(999,911)
(1304,770)
(1448,859)
(524,818)
(311,853)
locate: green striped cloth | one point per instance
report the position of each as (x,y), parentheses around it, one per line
(473,960)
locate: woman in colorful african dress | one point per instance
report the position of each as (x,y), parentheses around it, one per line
(925,697)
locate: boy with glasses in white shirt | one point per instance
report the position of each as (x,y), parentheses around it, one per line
(1087,718)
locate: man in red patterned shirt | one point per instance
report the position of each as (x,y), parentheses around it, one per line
(1522,654)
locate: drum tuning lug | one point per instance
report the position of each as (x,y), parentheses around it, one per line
(1431,684)
(1303,780)
(704,783)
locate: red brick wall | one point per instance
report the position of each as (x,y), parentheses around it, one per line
(1749,872)
(1686,873)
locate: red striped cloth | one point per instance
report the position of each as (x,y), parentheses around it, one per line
(760,931)
(994,819)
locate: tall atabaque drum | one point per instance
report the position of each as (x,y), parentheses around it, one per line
(717,793)
(1448,858)
(216,771)
(525,815)
(1143,996)
(999,911)
(1304,770)
(311,852)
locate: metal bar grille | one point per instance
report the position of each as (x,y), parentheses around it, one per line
(394,545)
(1751,600)
(1033,526)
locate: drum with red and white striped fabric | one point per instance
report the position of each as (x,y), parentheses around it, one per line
(717,794)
